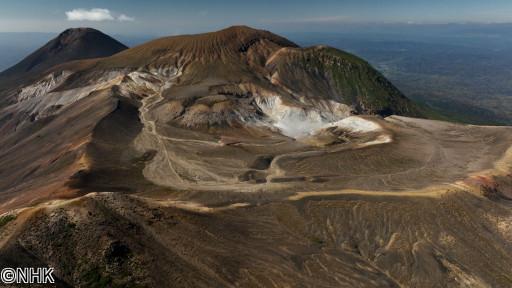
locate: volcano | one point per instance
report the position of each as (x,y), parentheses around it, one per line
(72,44)
(237,158)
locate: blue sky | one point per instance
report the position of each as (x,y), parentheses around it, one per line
(159,17)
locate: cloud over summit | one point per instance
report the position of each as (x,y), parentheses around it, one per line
(95,14)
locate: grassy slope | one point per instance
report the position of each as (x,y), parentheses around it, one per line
(343,77)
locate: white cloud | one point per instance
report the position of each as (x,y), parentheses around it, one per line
(95,14)
(124,17)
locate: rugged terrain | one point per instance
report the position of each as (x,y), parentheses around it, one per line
(238,159)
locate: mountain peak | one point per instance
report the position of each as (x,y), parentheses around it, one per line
(241,29)
(80,30)
(71,44)
(72,34)
(222,46)
(248,35)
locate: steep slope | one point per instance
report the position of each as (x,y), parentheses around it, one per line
(72,44)
(229,45)
(30,132)
(319,71)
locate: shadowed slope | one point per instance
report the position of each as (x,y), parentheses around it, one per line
(323,71)
(72,44)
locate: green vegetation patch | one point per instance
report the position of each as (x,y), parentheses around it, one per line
(6,219)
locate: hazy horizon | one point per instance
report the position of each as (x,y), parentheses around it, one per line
(16,45)
(171,17)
